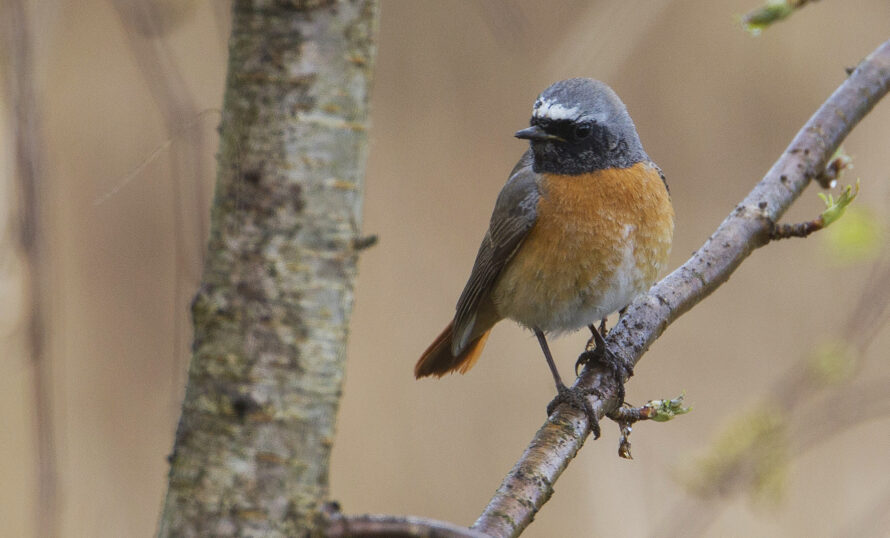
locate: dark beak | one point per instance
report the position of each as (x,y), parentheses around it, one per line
(536,134)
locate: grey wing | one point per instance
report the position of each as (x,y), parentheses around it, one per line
(514,215)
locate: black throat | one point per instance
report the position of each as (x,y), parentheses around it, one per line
(602,150)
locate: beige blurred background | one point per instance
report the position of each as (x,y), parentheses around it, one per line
(129,122)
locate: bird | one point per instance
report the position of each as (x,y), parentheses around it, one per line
(582,226)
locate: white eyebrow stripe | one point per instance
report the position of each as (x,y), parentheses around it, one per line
(555,111)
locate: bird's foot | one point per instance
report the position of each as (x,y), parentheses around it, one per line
(608,360)
(577,398)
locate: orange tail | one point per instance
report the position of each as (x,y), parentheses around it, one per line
(437,360)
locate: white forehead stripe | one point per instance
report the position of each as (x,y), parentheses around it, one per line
(555,111)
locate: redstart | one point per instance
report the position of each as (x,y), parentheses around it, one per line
(583,225)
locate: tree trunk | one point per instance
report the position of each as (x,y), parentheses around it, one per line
(270,319)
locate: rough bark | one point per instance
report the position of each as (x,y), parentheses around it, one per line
(530,483)
(252,447)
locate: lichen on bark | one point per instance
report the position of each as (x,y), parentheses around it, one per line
(271,316)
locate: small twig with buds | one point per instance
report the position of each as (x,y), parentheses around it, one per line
(657,410)
(834,209)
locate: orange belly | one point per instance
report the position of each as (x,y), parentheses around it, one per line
(600,239)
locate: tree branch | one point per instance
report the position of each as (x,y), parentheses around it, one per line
(254,440)
(530,483)
(395,527)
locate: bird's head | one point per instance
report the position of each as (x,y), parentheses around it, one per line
(580,125)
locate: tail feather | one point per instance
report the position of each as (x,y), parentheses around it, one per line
(437,360)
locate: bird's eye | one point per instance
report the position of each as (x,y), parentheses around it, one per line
(582,131)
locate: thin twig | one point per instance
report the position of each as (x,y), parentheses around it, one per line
(367,526)
(834,209)
(657,410)
(530,483)
(799,229)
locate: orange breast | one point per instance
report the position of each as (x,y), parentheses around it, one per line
(599,240)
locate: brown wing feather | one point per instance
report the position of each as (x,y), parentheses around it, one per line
(513,216)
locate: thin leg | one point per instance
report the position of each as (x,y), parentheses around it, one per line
(564,395)
(590,343)
(598,338)
(546,349)
(594,349)
(603,356)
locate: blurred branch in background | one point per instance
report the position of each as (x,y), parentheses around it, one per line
(757,20)
(22,93)
(819,397)
(608,31)
(147,23)
(750,225)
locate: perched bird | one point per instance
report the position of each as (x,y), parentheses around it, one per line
(583,225)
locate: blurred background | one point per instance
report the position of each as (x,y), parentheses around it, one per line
(122,102)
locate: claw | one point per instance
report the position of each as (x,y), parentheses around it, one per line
(583,359)
(609,361)
(576,398)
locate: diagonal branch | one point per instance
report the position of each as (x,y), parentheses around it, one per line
(530,483)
